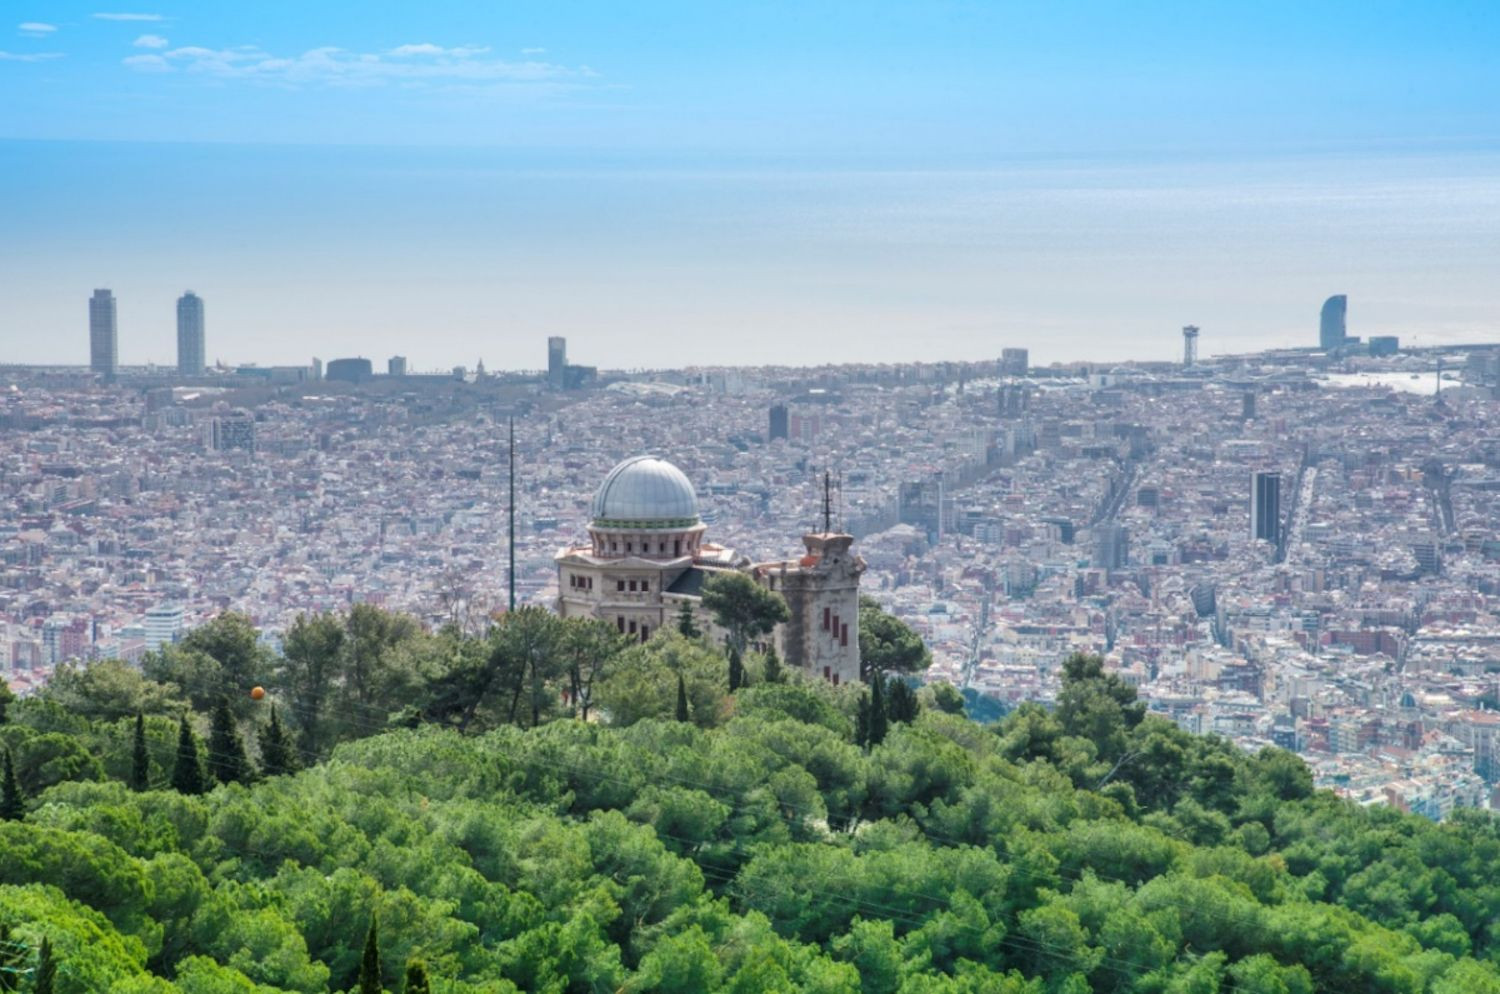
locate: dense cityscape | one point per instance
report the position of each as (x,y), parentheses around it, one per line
(1291,548)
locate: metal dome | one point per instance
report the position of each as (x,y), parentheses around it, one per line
(646,492)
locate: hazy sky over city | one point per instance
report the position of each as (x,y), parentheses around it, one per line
(777,182)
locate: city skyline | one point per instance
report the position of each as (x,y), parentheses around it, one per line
(667,188)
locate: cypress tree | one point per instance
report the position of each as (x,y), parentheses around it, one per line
(187,773)
(416,978)
(12,804)
(682,703)
(775,673)
(736,670)
(686,624)
(862,722)
(6,697)
(878,719)
(901,701)
(140,760)
(46,970)
(276,753)
(369,964)
(226,750)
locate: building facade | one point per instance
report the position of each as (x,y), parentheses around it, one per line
(647,556)
(190,344)
(104,351)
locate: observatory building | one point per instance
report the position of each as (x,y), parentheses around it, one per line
(647,555)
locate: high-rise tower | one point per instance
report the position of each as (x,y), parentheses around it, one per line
(1265,507)
(1332,323)
(104,353)
(190,349)
(557,362)
(1189,345)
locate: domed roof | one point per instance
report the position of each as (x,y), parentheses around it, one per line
(646,492)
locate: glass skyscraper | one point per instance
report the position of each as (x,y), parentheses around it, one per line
(104,353)
(190,360)
(1332,329)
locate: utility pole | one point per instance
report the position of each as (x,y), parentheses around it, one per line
(512,513)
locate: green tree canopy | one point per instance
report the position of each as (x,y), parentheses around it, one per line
(742,608)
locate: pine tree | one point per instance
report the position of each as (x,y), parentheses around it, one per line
(682,702)
(6,697)
(736,670)
(775,672)
(276,753)
(46,970)
(12,804)
(12,960)
(140,760)
(226,750)
(187,773)
(416,978)
(686,623)
(879,722)
(369,964)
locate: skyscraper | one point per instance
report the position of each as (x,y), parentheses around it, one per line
(779,422)
(1014,362)
(1265,507)
(557,362)
(1332,327)
(104,354)
(190,335)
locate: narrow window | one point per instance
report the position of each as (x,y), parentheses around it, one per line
(620,624)
(632,628)
(827,673)
(632,586)
(645,585)
(619,584)
(677,547)
(835,679)
(844,636)
(645,632)
(827,616)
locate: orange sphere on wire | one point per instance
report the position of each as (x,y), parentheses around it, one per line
(257,693)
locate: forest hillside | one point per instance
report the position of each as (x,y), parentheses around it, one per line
(409,811)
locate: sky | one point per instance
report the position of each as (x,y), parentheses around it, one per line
(670,183)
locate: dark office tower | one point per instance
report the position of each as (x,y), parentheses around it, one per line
(190,335)
(1247,405)
(1265,507)
(104,352)
(1332,326)
(557,362)
(395,366)
(779,422)
(1014,362)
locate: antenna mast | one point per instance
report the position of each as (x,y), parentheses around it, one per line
(827,502)
(512,512)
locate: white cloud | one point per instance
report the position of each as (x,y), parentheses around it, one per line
(150,41)
(426,48)
(148,63)
(36,29)
(533,51)
(32,57)
(409,65)
(128,17)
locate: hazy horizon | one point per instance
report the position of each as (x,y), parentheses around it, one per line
(678,185)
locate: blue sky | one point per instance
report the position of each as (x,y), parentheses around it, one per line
(671,182)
